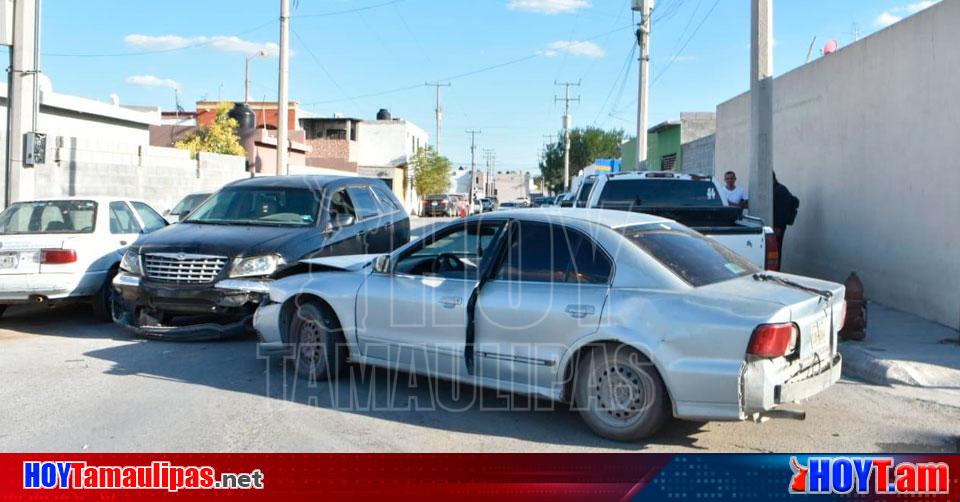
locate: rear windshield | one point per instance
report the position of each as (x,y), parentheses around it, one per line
(269,206)
(50,217)
(585,190)
(437,197)
(659,193)
(189,202)
(693,257)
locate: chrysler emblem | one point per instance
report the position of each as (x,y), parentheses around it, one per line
(181,256)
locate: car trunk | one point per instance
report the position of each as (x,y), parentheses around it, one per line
(20,254)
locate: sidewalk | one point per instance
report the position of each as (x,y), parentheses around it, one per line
(903,349)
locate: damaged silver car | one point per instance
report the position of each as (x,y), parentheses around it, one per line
(629,317)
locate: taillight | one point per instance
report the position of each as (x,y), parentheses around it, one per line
(773,251)
(774,340)
(57,256)
(843,313)
(445,201)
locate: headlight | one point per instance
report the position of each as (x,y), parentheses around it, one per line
(256,266)
(130,263)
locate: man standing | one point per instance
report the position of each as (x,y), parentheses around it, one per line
(785,206)
(732,194)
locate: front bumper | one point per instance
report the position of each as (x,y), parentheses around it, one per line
(765,385)
(206,311)
(266,321)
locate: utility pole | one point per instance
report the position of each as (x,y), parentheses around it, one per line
(567,121)
(23,95)
(283,106)
(490,188)
(246,74)
(473,164)
(548,139)
(438,110)
(645,7)
(761,110)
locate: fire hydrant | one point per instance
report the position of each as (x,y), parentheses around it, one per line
(855,324)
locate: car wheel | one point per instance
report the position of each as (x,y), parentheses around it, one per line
(106,301)
(620,394)
(319,348)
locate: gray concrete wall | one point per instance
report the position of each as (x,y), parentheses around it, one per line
(866,138)
(160,176)
(698,155)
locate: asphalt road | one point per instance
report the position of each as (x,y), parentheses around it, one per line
(71,384)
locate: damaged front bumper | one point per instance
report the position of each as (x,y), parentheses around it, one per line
(188,312)
(768,384)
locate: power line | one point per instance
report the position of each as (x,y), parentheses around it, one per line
(347,11)
(682,48)
(323,68)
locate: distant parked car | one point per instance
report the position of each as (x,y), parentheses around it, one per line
(443,204)
(564,200)
(68,249)
(630,317)
(486,205)
(186,204)
(204,277)
(543,201)
(510,205)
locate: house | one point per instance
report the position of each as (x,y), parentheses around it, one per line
(684,145)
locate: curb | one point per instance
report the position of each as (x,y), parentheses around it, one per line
(862,364)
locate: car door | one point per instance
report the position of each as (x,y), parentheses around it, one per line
(341,236)
(415,315)
(376,234)
(124,226)
(547,291)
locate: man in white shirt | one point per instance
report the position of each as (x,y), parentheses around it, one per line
(732,194)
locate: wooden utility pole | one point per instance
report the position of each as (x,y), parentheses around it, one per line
(761,110)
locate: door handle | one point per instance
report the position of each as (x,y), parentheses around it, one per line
(579,311)
(123,243)
(450,301)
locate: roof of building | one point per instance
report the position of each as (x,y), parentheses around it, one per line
(85,106)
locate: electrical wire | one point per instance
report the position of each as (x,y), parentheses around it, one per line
(347,11)
(323,68)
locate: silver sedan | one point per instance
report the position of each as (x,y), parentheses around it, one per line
(630,318)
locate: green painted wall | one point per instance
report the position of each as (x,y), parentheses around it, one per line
(660,143)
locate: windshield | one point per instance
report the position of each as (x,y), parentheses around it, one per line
(49,217)
(659,193)
(436,197)
(695,258)
(272,206)
(188,203)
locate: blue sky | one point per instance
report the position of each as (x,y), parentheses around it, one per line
(501,56)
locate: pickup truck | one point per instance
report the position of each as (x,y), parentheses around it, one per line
(695,201)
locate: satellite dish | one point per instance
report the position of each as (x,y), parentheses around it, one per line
(830,47)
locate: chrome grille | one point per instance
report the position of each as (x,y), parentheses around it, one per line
(183,268)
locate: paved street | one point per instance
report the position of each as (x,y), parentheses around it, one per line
(73,384)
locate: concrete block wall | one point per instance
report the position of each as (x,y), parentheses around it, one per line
(866,138)
(698,155)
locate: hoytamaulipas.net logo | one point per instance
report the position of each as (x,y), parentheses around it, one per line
(879,475)
(159,475)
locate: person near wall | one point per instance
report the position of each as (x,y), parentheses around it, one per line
(732,194)
(785,206)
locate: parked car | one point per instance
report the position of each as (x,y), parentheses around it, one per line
(203,277)
(487,204)
(695,201)
(443,204)
(183,208)
(631,317)
(68,249)
(510,204)
(565,200)
(544,201)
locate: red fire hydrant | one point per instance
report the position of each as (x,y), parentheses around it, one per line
(855,324)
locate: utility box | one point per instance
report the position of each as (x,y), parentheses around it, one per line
(34,148)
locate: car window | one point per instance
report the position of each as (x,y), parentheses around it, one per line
(151,220)
(255,205)
(122,220)
(340,204)
(659,193)
(388,203)
(188,203)
(688,254)
(584,192)
(364,202)
(49,217)
(455,252)
(539,252)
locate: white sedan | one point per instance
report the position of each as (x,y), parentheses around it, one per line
(53,250)
(632,318)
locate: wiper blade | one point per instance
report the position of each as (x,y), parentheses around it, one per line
(823,293)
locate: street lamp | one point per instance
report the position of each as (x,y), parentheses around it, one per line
(246,75)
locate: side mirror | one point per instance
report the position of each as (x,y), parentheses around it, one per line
(166,212)
(183,215)
(382,264)
(340,220)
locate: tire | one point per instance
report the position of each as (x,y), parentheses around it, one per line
(620,394)
(320,353)
(104,301)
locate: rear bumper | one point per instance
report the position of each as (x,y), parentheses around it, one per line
(208,311)
(20,288)
(765,387)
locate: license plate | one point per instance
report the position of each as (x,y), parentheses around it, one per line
(9,260)
(820,333)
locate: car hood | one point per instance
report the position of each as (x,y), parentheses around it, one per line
(222,240)
(346,263)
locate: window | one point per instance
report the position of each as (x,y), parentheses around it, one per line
(618,194)
(122,220)
(453,252)
(585,191)
(340,204)
(388,203)
(538,252)
(668,161)
(49,217)
(151,220)
(364,202)
(691,256)
(189,203)
(267,206)
(336,134)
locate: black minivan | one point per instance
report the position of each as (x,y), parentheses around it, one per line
(204,277)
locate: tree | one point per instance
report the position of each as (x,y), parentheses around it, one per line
(431,172)
(219,137)
(586,145)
